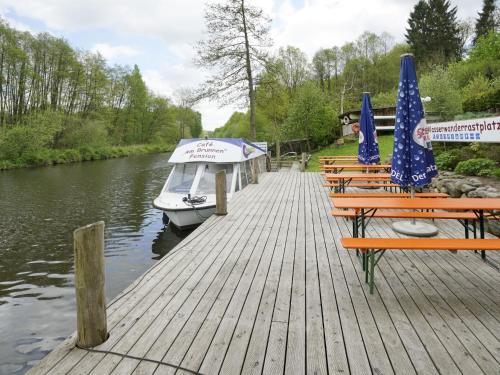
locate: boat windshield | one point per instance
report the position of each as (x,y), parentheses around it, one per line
(207,180)
(182,178)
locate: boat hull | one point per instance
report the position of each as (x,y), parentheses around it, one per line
(190,217)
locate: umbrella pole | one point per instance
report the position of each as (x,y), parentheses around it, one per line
(412,195)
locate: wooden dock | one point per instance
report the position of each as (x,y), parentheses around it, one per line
(268,289)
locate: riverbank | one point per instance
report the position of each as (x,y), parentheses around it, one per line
(385,143)
(48,157)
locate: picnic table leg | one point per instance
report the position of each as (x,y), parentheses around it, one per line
(466,225)
(355,230)
(367,272)
(363,222)
(481,231)
(364,255)
(372,270)
(355,226)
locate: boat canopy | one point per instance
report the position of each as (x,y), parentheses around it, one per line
(215,150)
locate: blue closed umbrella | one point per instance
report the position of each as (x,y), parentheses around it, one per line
(368,147)
(412,158)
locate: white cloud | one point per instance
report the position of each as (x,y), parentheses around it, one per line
(174,21)
(326,23)
(309,26)
(168,78)
(18,25)
(110,52)
(213,115)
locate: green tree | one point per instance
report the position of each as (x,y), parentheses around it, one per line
(486,21)
(135,119)
(433,32)
(477,87)
(443,90)
(273,102)
(292,68)
(483,61)
(325,64)
(195,126)
(237,33)
(311,116)
(163,124)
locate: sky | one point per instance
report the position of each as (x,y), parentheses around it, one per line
(159,35)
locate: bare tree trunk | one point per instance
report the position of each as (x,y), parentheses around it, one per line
(251,91)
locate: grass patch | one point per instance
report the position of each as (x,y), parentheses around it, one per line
(385,143)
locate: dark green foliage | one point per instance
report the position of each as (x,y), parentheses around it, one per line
(486,22)
(483,61)
(311,117)
(433,32)
(441,86)
(84,132)
(447,160)
(487,101)
(495,173)
(476,167)
(45,157)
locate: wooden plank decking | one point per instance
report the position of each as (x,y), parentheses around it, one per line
(269,289)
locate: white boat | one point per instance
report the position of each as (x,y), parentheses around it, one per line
(188,196)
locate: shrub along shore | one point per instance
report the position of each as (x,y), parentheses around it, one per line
(46,157)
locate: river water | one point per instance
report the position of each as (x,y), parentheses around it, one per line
(39,209)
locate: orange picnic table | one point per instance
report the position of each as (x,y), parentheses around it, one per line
(335,159)
(344,179)
(336,168)
(339,157)
(366,207)
(386,195)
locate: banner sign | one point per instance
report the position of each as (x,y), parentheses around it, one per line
(218,150)
(474,130)
(261,145)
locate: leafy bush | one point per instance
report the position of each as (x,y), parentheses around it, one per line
(37,131)
(18,141)
(447,160)
(496,173)
(490,100)
(476,167)
(91,133)
(38,157)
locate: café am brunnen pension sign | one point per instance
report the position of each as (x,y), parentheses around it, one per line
(474,130)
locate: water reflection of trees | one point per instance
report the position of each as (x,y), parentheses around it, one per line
(42,207)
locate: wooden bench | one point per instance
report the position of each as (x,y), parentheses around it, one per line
(386,195)
(370,185)
(373,246)
(463,217)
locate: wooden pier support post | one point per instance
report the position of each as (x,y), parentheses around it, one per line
(303,162)
(89,284)
(220,193)
(278,155)
(255,171)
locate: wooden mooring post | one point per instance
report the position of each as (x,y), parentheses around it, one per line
(278,155)
(255,171)
(303,162)
(89,284)
(220,193)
